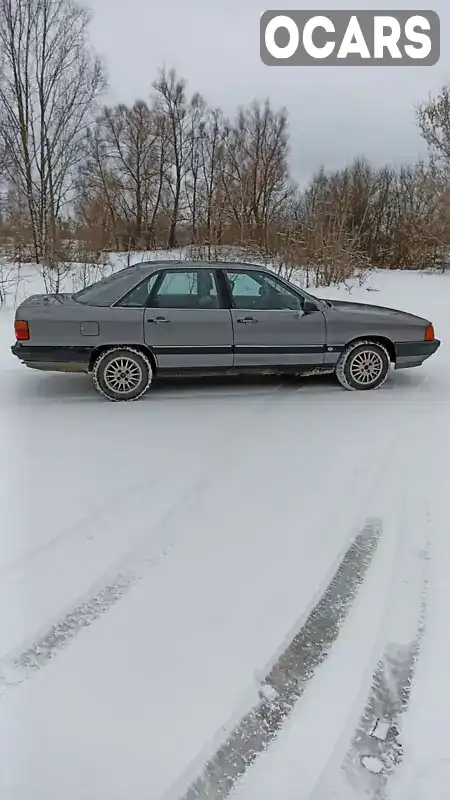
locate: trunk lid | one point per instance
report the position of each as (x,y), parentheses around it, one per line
(46,300)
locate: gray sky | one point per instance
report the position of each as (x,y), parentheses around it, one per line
(335,113)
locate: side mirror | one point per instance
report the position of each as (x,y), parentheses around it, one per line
(309,307)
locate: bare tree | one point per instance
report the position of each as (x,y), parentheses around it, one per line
(212,153)
(49,83)
(177,112)
(125,173)
(98,189)
(255,175)
(130,136)
(433,118)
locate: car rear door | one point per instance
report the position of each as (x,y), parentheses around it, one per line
(185,322)
(270,327)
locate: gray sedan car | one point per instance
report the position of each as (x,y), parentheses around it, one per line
(200,318)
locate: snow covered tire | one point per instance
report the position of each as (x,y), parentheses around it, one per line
(122,373)
(363,366)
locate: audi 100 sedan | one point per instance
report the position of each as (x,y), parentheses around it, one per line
(185,318)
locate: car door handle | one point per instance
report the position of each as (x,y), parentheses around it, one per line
(157,320)
(247,320)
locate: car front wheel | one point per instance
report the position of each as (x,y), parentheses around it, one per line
(122,373)
(363,366)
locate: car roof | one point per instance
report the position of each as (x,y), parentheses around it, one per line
(150,266)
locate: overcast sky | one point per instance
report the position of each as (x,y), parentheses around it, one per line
(336,113)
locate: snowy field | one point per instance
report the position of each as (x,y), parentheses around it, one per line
(158,559)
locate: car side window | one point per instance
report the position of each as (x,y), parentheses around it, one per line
(137,297)
(194,288)
(259,291)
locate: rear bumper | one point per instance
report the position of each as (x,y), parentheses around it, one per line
(72,359)
(413,354)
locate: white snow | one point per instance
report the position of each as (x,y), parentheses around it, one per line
(380,730)
(373,764)
(232,506)
(268,693)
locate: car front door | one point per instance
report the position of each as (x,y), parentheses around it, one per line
(185,323)
(270,326)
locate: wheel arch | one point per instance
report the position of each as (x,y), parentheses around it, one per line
(376,339)
(142,348)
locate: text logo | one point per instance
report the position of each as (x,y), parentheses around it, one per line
(350,38)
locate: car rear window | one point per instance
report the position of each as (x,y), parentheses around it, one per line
(108,290)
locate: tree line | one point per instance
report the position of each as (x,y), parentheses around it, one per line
(78,176)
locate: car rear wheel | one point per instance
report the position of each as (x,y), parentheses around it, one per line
(363,366)
(122,373)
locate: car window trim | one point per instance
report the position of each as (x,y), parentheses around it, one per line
(227,282)
(225,296)
(164,272)
(223,290)
(136,286)
(160,275)
(303,294)
(273,277)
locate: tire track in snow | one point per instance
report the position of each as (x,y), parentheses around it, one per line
(290,675)
(224,755)
(375,746)
(18,666)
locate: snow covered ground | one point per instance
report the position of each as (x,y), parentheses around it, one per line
(157,559)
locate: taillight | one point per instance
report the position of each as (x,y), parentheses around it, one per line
(21,330)
(429,333)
